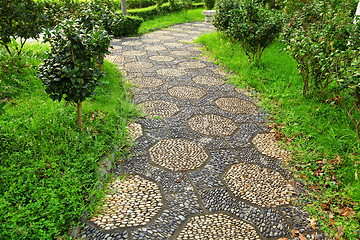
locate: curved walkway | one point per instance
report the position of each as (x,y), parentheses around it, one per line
(204,165)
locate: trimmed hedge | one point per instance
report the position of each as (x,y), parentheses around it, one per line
(126,26)
(151,12)
(132,4)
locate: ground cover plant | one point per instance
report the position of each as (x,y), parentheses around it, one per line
(319,132)
(47,167)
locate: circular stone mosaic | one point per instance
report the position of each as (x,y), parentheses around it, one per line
(134,130)
(134,53)
(209,81)
(219,71)
(155,48)
(171,72)
(244,91)
(162,58)
(129,203)
(212,125)
(181,53)
(150,40)
(196,49)
(178,154)
(133,43)
(187,93)
(217,226)
(165,37)
(148,82)
(193,32)
(180,34)
(267,144)
(235,105)
(138,65)
(258,185)
(173,44)
(159,108)
(192,65)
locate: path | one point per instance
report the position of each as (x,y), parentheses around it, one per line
(206,168)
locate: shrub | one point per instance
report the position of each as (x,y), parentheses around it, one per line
(209,4)
(114,23)
(152,11)
(349,85)
(72,68)
(252,25)
(223,16)
(187,4)
(126,25)
(139,3)
(322,40)
(19,21)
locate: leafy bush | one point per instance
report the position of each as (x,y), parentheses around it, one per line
(152,11)
(19,21)
(126,26)
(252,25)
(323,41)
(140,3)
(73,66)
(209,4)
(223,14)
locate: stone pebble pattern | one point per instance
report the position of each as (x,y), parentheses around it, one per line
(190,170)
(128,203)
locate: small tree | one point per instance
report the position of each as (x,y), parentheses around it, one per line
(322,40)
(187,4)
(19,21)
(249,23)
(72,69)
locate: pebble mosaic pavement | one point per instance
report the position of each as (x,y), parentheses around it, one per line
(204,164)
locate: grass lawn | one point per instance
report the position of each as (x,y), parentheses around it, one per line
(192,15)
(47,167)
(320,135)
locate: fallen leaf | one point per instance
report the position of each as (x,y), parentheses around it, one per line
(283,239)
(301,237)
(346,211)
(312,222)
(340,232)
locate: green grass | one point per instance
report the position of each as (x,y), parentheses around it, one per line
(322,137)
(192,15)
(47,167)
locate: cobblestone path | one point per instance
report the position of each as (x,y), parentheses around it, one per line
(205,165)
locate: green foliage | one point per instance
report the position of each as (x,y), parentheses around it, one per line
(223,15)
(323,41)
(152,11)
(127,26)
(253,26)
(47,167)
(187,4)
(209,4)
(319,133)
(19,21)
(13,82)
(170,19)
(73,66)
(56,11)
(131,4)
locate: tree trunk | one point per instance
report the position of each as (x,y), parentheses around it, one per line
(123,7)
(79,115)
